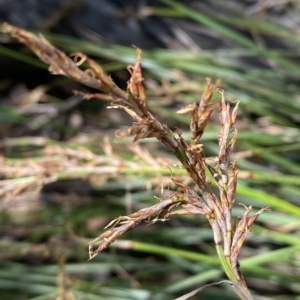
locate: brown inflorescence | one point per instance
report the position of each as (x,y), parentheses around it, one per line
(200,200)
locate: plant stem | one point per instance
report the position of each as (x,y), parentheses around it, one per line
(238,285)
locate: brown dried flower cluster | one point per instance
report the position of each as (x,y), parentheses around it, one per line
(200,201)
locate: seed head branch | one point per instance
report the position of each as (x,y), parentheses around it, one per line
(157,212)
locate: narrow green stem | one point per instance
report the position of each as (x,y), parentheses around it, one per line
(225,264)
(238,285)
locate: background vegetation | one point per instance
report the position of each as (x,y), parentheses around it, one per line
(64,176)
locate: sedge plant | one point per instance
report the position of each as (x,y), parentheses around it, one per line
(199,200)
